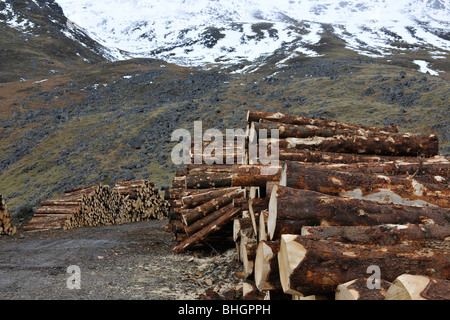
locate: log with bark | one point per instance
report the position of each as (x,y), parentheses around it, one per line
(240,175)
(409,145)
(256,116)
(315,156)
(317,267)
(291,209)
(267,275)
(207,230)
(386,189)
(210,206)
(438,167)
(359,289)
(385,234)
(306,131)
(418,287)
(56,213)
(194,200)
(203,222)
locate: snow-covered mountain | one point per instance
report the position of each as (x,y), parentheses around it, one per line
(195,32)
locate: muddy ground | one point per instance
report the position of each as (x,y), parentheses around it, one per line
(131,262)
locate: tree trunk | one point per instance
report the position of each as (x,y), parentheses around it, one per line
(203,222)
(310,267)
(307,131)
(240,176)
(386,189)
(255,116)
(418,287)
(210,206)
(255,175)
(288,205)
(426,167)
(385,234)
(195,200)
(389,145)
(315,156)
(204,180)
(267,275)
(203,233)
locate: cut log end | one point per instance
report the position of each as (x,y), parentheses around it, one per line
(408,287)
(264,254)
(343,292)
(290,256)
(272,216)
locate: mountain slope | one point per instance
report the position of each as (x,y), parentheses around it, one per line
(69,116)
(37,39)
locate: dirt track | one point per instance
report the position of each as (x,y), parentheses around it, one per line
(132,261)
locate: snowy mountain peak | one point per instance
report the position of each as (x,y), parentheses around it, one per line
(201,32)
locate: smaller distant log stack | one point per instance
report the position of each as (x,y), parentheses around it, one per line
(143,200)
(6,227)
(98,205)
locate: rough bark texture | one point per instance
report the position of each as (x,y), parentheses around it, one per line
(387,189)
(211,228)
(203,222)
(435,166)
(306,131)
(205,180)
(255,116)
(240,175)
(210,206)
(195,200)
(315,156)
(389,145)
(314,209)
(317,267)
(385,234)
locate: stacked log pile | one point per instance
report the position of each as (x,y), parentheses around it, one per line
(202,206)
(6,227)
(350,198)
(347,199)
(143,201)
(56,213)
(98,205)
